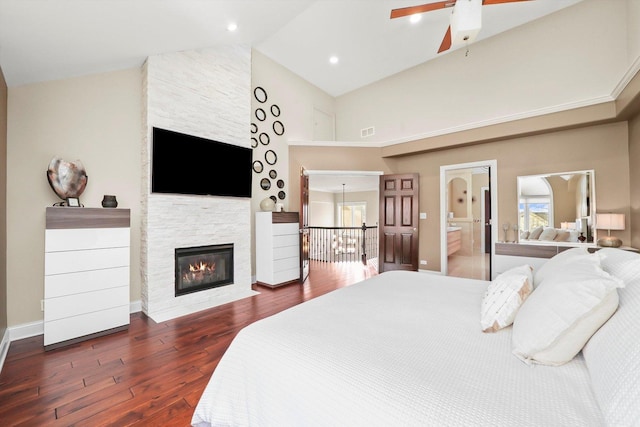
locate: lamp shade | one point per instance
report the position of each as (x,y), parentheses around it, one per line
(610,221)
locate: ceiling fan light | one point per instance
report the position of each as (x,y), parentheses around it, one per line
(466,21)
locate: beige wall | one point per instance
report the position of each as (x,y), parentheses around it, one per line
(297,100)
(3,206)
(634,174)
(321,209)
(96,119)
(603,148)
(541,69)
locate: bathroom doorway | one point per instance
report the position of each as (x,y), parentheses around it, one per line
(468,209)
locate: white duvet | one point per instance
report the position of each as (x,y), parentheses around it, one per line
(402,349)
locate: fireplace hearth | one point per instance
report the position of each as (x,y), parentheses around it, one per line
(203,267)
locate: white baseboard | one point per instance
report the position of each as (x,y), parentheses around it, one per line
(4,347)
(26,330)
(135,306)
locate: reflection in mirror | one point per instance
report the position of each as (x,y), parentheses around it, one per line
(556,208)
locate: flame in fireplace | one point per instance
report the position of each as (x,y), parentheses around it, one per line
(202,266)
(199,272)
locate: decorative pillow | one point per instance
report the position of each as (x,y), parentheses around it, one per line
(524,235)
(561,236)
(612,354)
(573,236)
(560,316)
(504,296)
(548,234)
(535,233)
(558,262)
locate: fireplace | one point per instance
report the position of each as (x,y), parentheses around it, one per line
(203,267)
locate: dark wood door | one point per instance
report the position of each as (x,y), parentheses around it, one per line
(304,225)
(399,205)
(487,221)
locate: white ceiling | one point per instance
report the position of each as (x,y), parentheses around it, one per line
(44,40)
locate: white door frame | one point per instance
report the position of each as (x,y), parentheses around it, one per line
(493,177)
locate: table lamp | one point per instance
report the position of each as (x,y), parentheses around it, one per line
(609,221)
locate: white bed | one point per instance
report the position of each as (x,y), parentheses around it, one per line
(401,348)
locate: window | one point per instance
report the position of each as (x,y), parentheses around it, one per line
(351,214)
(534,212)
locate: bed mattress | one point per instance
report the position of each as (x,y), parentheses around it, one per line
(401,348)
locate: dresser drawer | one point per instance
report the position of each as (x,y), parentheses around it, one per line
(86,302)
(86,238)
(283,229)
(287,275)
(286,264)
(286,252)
(68,328)
(59,285)
(84,260)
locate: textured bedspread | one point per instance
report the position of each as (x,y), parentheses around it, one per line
(401,348)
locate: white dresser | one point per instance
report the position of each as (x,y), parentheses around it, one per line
(277,248)
(86,283)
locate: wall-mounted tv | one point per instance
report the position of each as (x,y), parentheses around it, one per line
(186,164)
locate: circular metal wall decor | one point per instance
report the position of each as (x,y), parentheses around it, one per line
(264,138)
(281,195)
(280,183)
(275,110)
(254,128)
(260,94)
(260,114)
(265,183)
(270,157)
(273,198)
(254,143)
(257,166)
(278,127)
(273,174)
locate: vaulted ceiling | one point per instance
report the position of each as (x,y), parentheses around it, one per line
(44,40)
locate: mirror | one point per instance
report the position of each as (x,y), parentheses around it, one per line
(556,208)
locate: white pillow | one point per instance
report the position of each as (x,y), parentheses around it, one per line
(573,236)
(548,234)
(535,233)
(504,296)
(619,263)
(612,354)
(561,314)
(559,261)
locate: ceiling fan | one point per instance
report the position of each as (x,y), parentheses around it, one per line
(465,18)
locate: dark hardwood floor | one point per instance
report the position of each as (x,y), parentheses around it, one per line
(151,375)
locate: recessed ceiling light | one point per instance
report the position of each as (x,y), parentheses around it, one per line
(416,17)
(232,27)
(333,59)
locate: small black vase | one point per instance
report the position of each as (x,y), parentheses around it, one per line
(109,201)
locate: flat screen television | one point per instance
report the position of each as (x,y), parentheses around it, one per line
(186,164)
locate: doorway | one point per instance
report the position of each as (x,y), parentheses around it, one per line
(339,203)
(468,208)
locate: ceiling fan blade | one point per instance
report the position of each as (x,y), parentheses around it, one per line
(487,2)
(411,10)
(446,41)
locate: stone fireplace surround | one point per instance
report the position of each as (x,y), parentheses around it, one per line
(204,93)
